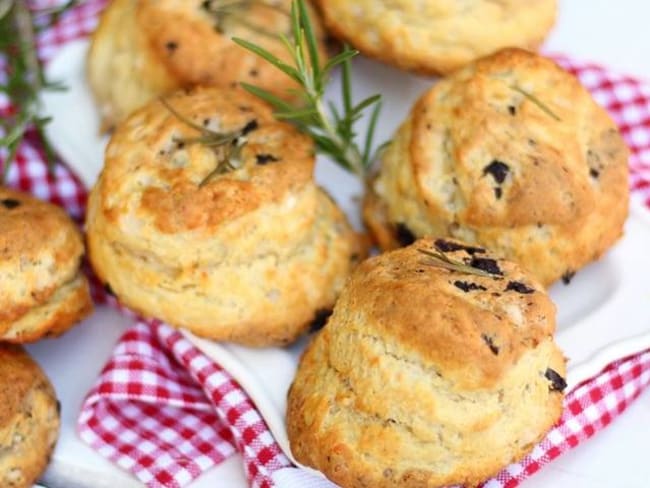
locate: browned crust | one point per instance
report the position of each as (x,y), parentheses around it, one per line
(428,57)
(53,318)
(29,418)
(401,388)
(40,250)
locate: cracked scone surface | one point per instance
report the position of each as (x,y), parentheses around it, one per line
(511,153)
(425,376)
(29,419)
(144,48)
(42,291)
(250,255)
(438,36)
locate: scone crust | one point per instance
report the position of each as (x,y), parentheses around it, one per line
(437,37)
(41,251)
(250,255)
(29,418)
(145,48)
(514,154)
(424,376)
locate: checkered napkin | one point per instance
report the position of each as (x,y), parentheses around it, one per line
(165,412)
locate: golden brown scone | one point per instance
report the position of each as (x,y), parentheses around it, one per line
(438,36)
(511,153)
(249,255)
(425,376)
(29,418)
(42,291)
(144,48)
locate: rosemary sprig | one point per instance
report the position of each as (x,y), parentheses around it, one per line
(24,76)
(224,12)
(441,260)
(332,130)
(536,101)
(227,145)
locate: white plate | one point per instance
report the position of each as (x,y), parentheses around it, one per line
(602,315)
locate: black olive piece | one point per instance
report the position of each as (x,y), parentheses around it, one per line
(249,127)
(404,235)
(486,264)
(320,319)
(512,109)
(594,173)
(557,382)
(498,169)
(568,276)
(519,287)
(108,289)
(171,46)
(498,192)
(467,286)
(10,203)
(490,343)
(449,246)
(263,159)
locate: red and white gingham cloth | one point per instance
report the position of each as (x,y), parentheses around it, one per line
(165,412)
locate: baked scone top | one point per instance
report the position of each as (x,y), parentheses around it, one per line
(513,153)
(157,175)
(438,36)
(523,142)
(40,250)
(472,327)
(193,40)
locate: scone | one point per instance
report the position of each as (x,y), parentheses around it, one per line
(42,291)
(29,418)
(438,36)
(438,367)
(144,48)
(233,241)
(510,153)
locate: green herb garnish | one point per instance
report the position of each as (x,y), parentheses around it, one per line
(332,130)
(536,101)
(441,260)
(25,78)
(227,145)
(234,11)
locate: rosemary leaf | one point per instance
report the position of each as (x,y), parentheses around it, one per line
(441,260)
(536,101)
(333,131)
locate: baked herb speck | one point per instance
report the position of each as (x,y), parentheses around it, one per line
(490,343)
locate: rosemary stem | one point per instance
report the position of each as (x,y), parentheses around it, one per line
(349,151)
(26,38)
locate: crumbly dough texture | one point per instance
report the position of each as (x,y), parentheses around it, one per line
(251,255)
(144,48)
(438,36)
(425,376)
(29,419)
(42,291)
(511,153)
